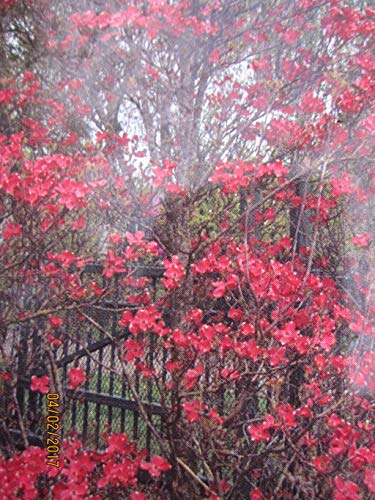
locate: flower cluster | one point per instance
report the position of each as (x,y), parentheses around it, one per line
(83,474)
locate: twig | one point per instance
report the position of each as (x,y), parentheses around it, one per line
(202,483)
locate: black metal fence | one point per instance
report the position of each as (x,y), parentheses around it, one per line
(104,403)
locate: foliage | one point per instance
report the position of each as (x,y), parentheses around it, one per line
(232,144)
(82,473)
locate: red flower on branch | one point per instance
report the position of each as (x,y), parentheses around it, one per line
(12,231)
(156,466)
(219,289)
(321,463)
(193,410)
(259,433)
(174,272)
(134,350)
(76,377)
(40,384)
(345,490)
(55,321)
(191,377)
(362,240)
(286,415)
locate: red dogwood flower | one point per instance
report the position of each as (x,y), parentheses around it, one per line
(40,384)
(76,377)
(156,466)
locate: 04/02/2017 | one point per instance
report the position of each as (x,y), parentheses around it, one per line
(52,429)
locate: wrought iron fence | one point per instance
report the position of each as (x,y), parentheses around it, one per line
(105,402)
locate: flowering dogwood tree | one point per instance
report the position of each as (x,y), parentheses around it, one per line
(232,143)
